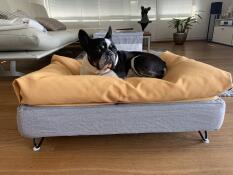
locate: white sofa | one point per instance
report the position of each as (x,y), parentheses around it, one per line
(42,45)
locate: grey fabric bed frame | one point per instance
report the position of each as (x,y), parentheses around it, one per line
(38,122)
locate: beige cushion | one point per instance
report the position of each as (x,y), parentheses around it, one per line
(51,24)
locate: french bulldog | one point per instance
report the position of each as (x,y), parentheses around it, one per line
(103,55)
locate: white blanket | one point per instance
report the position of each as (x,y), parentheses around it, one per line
(20,23)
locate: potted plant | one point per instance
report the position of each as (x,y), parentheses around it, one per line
(182,27)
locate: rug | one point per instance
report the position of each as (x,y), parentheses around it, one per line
(228,93)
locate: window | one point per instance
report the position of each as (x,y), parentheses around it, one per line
(175,8)
(125,9)
(73,9)
(99,10)
(117,10)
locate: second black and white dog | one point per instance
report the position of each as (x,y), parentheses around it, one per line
(103,54)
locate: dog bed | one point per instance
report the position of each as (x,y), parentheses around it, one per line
(60,84)
(51,106)
(38,122)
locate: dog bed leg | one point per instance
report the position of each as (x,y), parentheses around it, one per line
(37,145)
(204,137)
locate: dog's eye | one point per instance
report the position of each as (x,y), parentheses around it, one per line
(112,47)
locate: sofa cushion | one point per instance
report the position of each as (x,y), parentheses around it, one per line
(32,39)
(60,84)
(51,24)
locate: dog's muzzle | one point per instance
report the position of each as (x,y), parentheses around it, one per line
(107,60)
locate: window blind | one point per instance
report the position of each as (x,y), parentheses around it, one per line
(73,9)
(174,8)
(99,10)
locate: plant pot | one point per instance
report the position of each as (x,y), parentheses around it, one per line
(179,38)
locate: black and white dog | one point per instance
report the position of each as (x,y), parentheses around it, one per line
(103,54)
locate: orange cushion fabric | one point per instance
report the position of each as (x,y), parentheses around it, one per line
(60,84)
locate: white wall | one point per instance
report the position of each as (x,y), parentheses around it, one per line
(160,30)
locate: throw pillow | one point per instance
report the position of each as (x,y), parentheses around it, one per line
(51,24)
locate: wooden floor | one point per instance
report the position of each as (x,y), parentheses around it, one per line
(144,154)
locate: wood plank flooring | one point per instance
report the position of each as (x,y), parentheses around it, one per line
(143,154)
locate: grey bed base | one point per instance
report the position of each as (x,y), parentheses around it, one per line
(38,122)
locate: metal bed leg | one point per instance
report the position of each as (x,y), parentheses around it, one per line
(204,137)
(36,146)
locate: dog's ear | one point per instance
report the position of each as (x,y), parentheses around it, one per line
(142,8)
(83,39)
(149,8)
(109,33)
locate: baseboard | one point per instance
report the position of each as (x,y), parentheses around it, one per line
(189,39)
(164,41)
